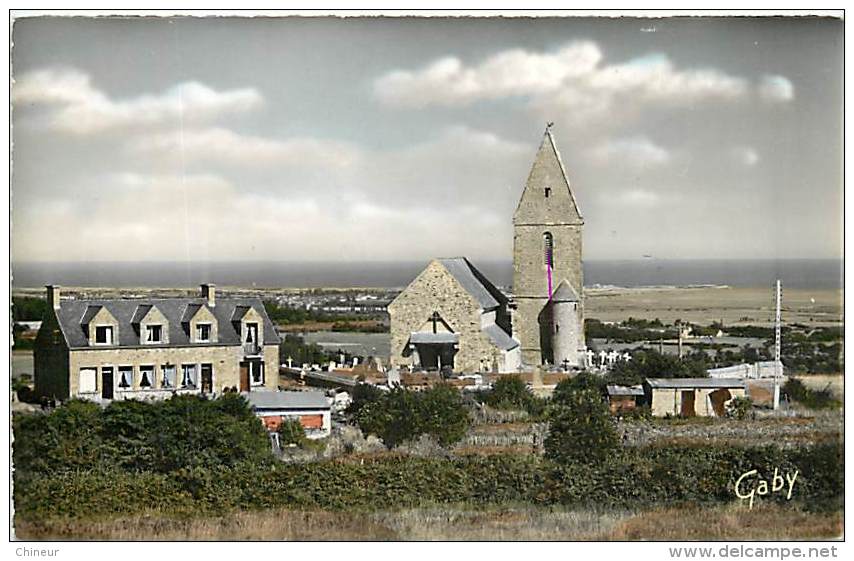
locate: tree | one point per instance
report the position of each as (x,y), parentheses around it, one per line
(28,308)
(443,414)
(580,429)
(363,394)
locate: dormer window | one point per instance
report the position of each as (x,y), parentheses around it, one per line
(203,332)
(153,333)
(104,334)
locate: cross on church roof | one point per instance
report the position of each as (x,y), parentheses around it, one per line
(435,318)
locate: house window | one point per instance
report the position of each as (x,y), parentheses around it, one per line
(548,191)
(153,333)
(548,249)
(146,376)
(168,376)
(88,377)
(104,334)
(251,333)
(126,377)
(256,373)
(188,376)
(203,332)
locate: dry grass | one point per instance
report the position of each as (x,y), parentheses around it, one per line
(272,525)
(517,524)
(734,522)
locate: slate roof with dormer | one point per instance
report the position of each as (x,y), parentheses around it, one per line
(73,314)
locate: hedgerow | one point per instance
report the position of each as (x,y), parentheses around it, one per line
(631,478)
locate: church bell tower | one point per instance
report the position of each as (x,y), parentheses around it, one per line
(547,229)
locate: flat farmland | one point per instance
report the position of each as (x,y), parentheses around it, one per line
(703,305)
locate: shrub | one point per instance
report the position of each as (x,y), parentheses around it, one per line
(739,407)
(581,429)
(633,478)
(566,388)
(402,415)
(161,436)
(291,432)
(795,390)
(511,393)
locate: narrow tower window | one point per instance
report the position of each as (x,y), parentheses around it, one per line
(548,253)
(548,192)
(548,250)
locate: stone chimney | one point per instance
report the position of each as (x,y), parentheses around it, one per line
(209,292)
(53,294)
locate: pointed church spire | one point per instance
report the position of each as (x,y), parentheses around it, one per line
(547,197)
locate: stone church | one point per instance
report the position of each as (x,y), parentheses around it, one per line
(452,317)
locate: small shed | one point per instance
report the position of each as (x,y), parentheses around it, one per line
(689,397)
(312,409)
(624,398)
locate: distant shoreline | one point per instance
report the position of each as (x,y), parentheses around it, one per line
(796,273)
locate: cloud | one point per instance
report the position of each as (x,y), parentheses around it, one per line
(460,163)
(207,217)
(572,78)
(776,89)
(74,105)
(639,198)
(745,155)
(515,72)
(637,151)
(221,145)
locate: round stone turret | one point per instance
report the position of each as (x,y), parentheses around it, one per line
(565,328)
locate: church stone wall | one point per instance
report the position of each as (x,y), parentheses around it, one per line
(435,289)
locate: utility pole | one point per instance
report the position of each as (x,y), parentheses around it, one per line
(778,365)
(679,331)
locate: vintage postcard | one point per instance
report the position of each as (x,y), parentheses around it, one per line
(432,277)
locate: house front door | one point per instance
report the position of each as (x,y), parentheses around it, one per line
(688,404)
(107,383)
(244,376)
(207,378)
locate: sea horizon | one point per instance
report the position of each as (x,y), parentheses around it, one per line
(794,273)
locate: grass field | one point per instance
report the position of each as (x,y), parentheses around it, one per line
(733,522)
(704,305)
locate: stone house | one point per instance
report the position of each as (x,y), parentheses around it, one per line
(452,317)
(690,397)
(152,348)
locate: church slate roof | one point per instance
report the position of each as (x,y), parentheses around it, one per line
(74,313)
(500,337)
(474,282)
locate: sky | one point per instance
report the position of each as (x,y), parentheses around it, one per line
(353,139)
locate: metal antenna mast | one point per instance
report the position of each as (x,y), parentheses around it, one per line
(778,365)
